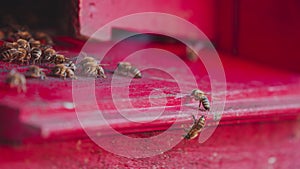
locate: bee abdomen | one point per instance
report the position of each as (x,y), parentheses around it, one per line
(9,55)
(205,102)
(135,72)
(36,53)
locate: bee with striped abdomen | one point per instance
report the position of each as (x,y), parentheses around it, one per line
(48,54)
(126,69)
(23,44)
(36,54)
(93,69)
(63,71)
(58,59)
(24,56)
(200,96)
(198,125)
(10,55)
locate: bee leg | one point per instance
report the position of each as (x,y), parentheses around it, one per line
(186,130)
(194,118)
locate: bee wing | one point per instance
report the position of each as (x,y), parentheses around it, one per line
(62,52)
(104,64)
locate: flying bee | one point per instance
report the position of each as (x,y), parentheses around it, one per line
(194,131)
(10,55)
(63,71)
(93,69)
(35,72)
(36,54)
(199,95)
(48,54)
(34,43)
(23,44)
(126,69)
(58,59)
(16,80)
(24,56)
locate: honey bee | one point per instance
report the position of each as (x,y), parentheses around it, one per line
(63,71)
(10,55)
(23,44)
(198,125)
(35,72)
(126,69)
(34,43)
(93,69)
(48,54)
(24,56)
(16,80)
(58,59)
(36,54)
(200,96)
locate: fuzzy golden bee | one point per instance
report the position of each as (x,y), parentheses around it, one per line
(23,44)
(16,80)
(58,59)
(24,56)
(93,69)
(194,131)
(35,72)
(63,71)
(126,69)
(48,54)
(90,67)
(200,96)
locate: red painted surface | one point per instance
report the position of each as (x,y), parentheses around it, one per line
(259,126)
(260,120)
(269,30)
(95,14)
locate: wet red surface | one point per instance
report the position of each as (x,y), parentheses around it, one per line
(259,126)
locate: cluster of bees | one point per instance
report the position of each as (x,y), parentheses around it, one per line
(22,47)
(25,49)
